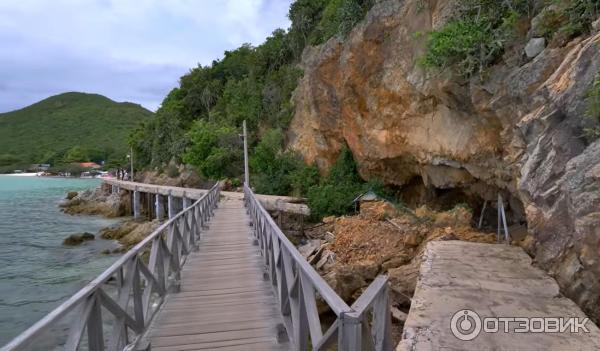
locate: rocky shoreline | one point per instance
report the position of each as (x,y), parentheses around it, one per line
(99,202)
(96,202)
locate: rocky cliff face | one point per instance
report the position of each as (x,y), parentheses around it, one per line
(515,130)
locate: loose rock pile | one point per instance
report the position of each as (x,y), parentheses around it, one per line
(349,252)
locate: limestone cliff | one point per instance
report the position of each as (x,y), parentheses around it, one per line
(516,129)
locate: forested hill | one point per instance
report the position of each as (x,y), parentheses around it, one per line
(66,128)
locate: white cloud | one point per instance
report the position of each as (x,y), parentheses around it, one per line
(118,47)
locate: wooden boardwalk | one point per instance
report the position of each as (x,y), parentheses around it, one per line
(224,302)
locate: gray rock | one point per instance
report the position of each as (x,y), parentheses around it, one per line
(596,24)
(71,195)
(534,47)
(310,247)
(326,261)
(78,239)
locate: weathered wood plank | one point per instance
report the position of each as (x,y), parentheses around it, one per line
(224,303)
(254,344)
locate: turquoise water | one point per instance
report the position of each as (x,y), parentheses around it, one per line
(37,272)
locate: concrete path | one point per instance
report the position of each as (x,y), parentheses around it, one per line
(224,303)
(492,281)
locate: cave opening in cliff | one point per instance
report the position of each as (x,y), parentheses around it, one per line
(416,193)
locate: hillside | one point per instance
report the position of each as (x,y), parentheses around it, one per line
(68,127)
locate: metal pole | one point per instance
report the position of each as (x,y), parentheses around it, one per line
(246,171)
(131,159)
(482,213)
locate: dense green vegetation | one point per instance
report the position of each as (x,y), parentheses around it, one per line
(199,122)
(70,127)
(479,32)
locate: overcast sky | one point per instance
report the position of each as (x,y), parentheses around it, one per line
(128,50)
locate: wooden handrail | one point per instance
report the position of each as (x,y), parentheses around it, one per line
(296,285)
(140,286)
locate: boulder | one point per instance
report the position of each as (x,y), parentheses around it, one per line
(395,262)
(534,47)
(412,239)
(329,219)
(78,239)
(309,248)
(326,261)
(71,195)
(596,24)
(345,282)
(95,202)
(403,281)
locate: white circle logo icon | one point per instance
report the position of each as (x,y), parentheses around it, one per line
(465,325)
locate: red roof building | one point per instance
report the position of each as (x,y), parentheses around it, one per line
(92,165)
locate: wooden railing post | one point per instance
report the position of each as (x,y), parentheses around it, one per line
(94,326)
(350,332)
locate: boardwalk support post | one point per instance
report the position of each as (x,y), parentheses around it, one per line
(159,207)
(170,205)
(136,204)
(186,202)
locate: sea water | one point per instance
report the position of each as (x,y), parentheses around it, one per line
(37,272)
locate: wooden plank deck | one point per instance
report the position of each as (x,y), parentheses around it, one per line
(224,303)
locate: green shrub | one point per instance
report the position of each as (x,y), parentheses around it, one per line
(215,150)
(303,178)
(332,199)
(334,195)
(551,21)
(465,44)
(339,17)
(475,38)
(581,14)
(278,172)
